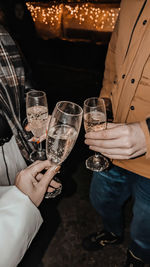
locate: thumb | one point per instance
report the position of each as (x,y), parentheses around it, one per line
(48,176)
(28,127)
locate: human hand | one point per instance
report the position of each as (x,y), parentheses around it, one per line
(35,184)
(118,141)
(42,137)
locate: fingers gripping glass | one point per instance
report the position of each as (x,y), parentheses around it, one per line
(63,130)
(95,120)
(37,115)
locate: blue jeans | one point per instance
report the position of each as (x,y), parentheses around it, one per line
(108,193)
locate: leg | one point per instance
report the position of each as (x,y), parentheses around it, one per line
(140,227)
(109,190)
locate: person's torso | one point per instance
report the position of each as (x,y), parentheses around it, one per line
(131,90)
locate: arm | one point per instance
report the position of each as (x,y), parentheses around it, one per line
(110,70)
(19,223)
(110,73)
(19,218)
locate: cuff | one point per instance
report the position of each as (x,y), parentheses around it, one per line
(145,129)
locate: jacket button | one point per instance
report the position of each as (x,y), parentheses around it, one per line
(123,76)
(144,22)
(133,80)
(132,107)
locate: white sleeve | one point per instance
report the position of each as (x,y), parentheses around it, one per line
(20,220)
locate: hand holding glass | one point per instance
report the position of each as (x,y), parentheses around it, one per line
(37,115)
(95,120)
(63,131)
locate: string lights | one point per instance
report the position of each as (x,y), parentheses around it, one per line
(87,16)
(45,14)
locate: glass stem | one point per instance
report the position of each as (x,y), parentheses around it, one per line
(96,154)
(40,147)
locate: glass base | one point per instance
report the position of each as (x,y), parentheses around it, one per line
(53,194)
(97,163)
(57,191)
(38,155)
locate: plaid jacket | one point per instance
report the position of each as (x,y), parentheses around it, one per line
(12,88)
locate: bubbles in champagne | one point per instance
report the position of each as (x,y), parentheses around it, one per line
(60,141)
(37,117)
(94,121)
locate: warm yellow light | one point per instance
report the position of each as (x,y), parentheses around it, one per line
(58,19)
(99,17)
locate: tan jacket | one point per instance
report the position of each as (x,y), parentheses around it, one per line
(127,74)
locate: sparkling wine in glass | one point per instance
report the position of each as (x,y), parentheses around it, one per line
(63,131)
(37,115)
(95,119)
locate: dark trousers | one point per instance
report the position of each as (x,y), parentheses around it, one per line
(108,193)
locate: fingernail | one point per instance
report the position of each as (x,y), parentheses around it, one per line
(57,169)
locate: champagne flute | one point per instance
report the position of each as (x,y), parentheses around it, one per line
(37,115)
(63,130)
(95,120)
